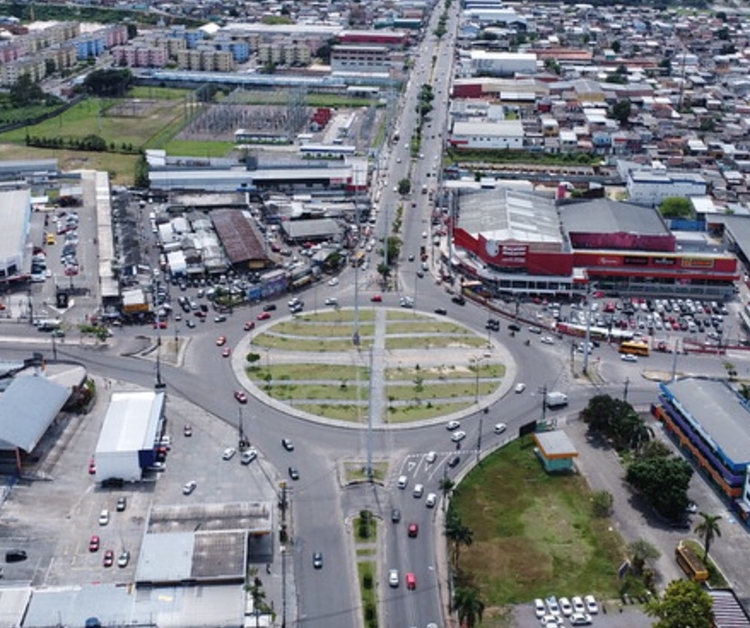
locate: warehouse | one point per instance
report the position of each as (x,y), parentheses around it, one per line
(15,217)
(132,426)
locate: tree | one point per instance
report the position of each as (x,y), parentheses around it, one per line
(458,534)
(468,605)
(640,553)
(601,503)
(141,172)
(663,482)
(621,110)
(676,207)
(708,529)
(684,605)
(616,47)
(384,270)
(446,486)
(404,187)
(25,92)
(393,247)
(49,67)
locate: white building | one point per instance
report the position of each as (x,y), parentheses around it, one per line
(15,217)
(503,63)
(486,134)
(649,187)
(127,439)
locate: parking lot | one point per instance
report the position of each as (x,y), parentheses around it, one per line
(54,511)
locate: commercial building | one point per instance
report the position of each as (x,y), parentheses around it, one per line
(127,441)
(503,63)
(487,134)
(523,242)
(15,218)
(710,422)
(650,187)
(360,59)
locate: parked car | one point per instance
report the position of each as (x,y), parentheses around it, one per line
(124,559)
(228,453)
(94,543)
(109,558)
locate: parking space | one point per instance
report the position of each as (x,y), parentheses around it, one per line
(54,513)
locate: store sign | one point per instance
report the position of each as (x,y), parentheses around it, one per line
(513,253)
(697,262)
(632,260)
(663,261)
(608,260)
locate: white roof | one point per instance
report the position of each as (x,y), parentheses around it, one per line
(501,128)
(131,421)
(14,215)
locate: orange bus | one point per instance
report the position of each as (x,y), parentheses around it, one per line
(690,563)
(633,347)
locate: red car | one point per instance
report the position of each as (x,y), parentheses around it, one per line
(94,544)
(376,298)
(221,341)
(109,558)
(160,324)
(250,325)
(240,396)
(226,352)
(413,530)
(92,466)
(264,316)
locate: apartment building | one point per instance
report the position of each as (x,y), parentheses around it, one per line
(284,54)
(360,59)
(206,60)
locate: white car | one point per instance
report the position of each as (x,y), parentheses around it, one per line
(546,340)
(566,607)
(393,577)
(500,428)
(580,619)
(431,500)
(629,357)
(552,606)
(332,301)
(104,517)
(550,621)
(457,437)
(520,388)
(452,425)
(578,606)
(539,609)
(418,490)
(189,487)
(228,453)
(430,457)
(591,606)
(333,282)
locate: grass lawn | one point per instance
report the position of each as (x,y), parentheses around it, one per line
(533,533)
(298,344)
(406,315)
(340,315)
(429,410)
(354,471)
(425,327)
(121,168)
(340,412)
(329,330)
(448,373)
(366,571)
(194,148)
(158,93)
(287,392)
(407,392)
(434,342)
(333,372)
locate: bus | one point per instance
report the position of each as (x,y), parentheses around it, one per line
(633,347)
(358,259)
(690,563)
(326,151)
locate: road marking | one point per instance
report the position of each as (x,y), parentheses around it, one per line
(410,465)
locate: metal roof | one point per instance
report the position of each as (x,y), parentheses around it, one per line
(27,408)
(237,235)
(608,216)
(15,213)
(505,214)
(717,413)
(299,229)
(555,444)
(131,421)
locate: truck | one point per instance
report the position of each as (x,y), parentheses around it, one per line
(556,399)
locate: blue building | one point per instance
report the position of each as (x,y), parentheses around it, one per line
(89,46)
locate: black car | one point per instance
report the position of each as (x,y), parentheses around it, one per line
(459,300)
(440,310)
(269,307)
(395,515)
(317,560)
(514,327)
(293,473)
(453,462)
(122,504)
(287,444)
(15,556)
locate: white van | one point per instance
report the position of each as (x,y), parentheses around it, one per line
(418,490)
(402,482)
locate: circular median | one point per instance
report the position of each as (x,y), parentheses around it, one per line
(408,366)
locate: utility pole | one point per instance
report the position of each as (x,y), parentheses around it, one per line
(283,539)
(159,383)
(625,392)
(544,403)
(369,470)
(355,335)
(479,437)
(587,343)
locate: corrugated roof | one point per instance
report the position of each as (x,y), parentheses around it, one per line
(27,408)
(718,414)
(608,216)
(238,237)
(555,443)
(15,212)
(131,421)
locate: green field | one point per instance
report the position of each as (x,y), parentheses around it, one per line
(195,148)
(425,327)
(533,533)
(408,392)
(331,330)
(434,342)
(339,412)
(317,372)
(450,373)
(428,410)
(287,392)
(299,344)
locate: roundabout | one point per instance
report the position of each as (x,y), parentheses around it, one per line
(409,367)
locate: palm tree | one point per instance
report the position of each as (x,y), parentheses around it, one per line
(468,605)
(709,530)
(463,535)
(446,485)
(640,435)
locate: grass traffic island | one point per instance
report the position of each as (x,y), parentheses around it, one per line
(338,380)
(365,528)
(534,534)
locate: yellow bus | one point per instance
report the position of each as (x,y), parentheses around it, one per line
(690,563)
(358,259)
(633,347)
